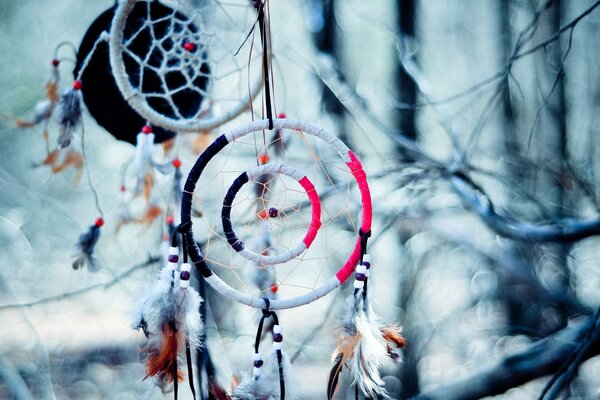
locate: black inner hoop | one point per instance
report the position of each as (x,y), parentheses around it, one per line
(100,92)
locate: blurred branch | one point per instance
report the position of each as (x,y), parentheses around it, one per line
(471,194)
(542,358)
(565,230)
(16,385)
(79,292)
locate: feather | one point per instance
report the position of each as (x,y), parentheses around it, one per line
(172,324)
(266,386)
(395,341)
(161,361)
(362,348)
(142,161)
(217,391)
(342,354)
(69,116)
(86,244)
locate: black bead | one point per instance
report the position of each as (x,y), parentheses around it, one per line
(185,275)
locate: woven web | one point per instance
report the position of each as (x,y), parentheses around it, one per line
(181,55)
(340,217)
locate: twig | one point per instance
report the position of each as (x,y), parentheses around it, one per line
(84,290)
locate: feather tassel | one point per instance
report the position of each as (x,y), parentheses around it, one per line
(266,386)
(69,114)
(365,345)
(86,244)
(141,164)
(169,315)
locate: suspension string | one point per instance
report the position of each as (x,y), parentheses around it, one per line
(175,381)
(88,174)
(188,356)
(265,61)
(365,262)
(277,340)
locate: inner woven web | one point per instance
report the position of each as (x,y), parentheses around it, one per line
(272,214)
(181,57)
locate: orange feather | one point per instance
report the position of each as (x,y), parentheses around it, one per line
(162,361)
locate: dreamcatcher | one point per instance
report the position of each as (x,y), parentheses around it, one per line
(298,209)
(145,71)
(282,216)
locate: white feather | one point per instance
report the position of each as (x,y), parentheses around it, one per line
(266,387)
(371,351)
(142,158)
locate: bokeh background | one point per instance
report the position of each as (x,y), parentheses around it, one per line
(452,105)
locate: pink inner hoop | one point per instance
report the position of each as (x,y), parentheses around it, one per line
(315,222)
(367,215)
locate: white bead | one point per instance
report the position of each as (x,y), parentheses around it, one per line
(172,266)
(184,284)
(186,267)
(257,357)
(367,258)
(367,273)
(361,269)
(277,329)
(173,251)
(256,372)
(277,345)
(358,284)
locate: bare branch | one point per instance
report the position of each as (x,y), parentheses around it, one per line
(79,292)
(565,230)
(542,358)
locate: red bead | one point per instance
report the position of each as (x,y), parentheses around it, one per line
(77,85)
(147,129)
(282,115)
(99,222)
(262,214)
(177,163)
(123,188)
(263,158)
(274,288)
(55,63)
(170,220)
(189,46)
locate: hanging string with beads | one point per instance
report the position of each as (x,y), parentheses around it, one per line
(277,345)
(184,284)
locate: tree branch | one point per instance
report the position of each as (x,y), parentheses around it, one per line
(542,358)
(565,230)
(84,290)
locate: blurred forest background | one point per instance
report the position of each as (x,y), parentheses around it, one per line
(476,122)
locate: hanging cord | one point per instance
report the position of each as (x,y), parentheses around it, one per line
(88,174)
(175,383)
(264,38)
(277,338)
(364,238)
(188,351)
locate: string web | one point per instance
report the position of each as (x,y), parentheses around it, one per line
(339,218)
(179,62)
